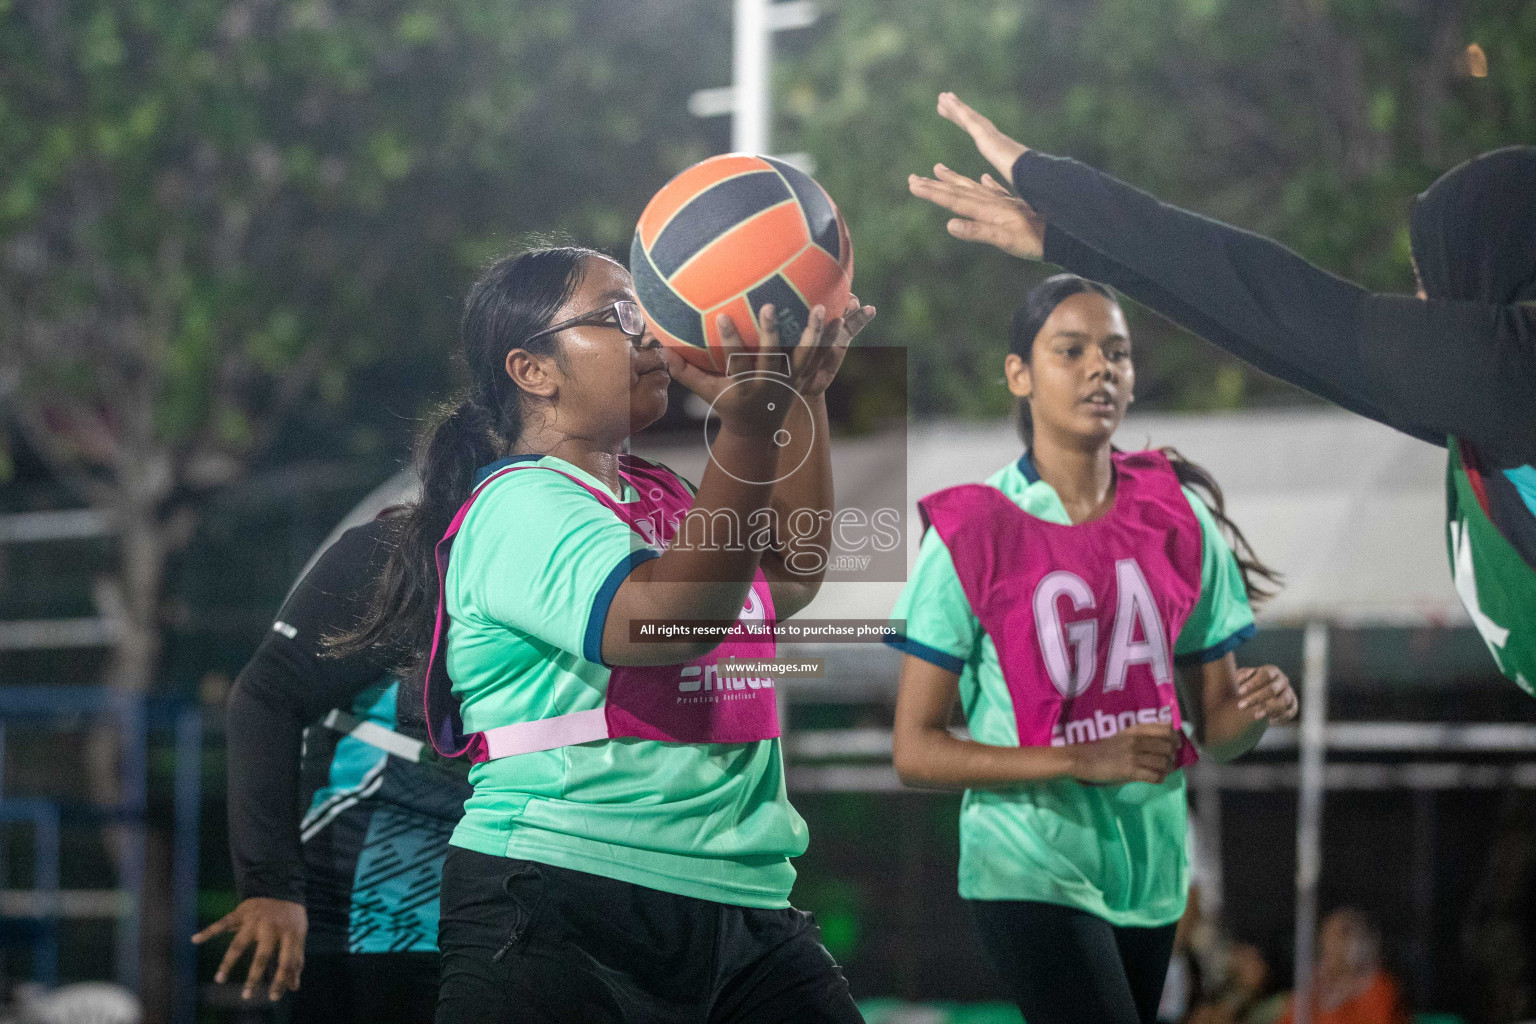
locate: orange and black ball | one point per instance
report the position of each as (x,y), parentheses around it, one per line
(729,235)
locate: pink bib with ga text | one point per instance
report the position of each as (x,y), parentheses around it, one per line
(1083,617)
(689,703)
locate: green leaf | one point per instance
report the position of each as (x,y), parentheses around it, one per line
(390,155)
(1383,110)
(101,46)
(418,27)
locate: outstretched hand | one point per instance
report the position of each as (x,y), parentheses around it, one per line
(987,212)
(999,150)
(269,928)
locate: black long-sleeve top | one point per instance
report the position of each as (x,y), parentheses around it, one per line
(1433,369)
(286,686)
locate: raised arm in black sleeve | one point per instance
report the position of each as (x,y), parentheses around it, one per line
(1464,368)
(1430,369)
(286,686)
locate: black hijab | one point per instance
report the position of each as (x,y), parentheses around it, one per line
(1474,240)
(1474,230)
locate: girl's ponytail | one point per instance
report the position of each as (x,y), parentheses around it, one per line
(515,299)
(1199,479)
(455,442)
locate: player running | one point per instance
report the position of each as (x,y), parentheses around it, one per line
(1081,604)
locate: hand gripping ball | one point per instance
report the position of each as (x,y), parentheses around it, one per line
(729,235)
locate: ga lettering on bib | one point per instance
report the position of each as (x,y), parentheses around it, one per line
(1083,616)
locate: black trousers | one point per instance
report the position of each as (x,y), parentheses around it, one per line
(366,988)
(1065,966)
(536,944)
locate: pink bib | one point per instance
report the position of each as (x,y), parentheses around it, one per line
(690,703)
(1083,617)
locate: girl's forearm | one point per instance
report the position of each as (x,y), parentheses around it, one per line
(935,758)
(802,498)
(1228,731)
(1224,728)
(705,572)
(1231,732)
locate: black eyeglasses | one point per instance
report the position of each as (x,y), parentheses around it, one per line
(624,314)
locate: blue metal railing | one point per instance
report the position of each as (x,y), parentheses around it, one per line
(70,709)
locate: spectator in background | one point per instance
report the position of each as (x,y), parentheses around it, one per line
(1252,992)
(1348,984)
(1248,993)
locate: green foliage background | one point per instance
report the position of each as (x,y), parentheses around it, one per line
(1312,121)
(279,201)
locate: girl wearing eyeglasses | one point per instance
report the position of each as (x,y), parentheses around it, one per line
(626,853)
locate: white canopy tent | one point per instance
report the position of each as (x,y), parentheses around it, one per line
(1351,511)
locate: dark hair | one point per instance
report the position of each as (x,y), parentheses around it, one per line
(1038,306)
(1471,230)
(518,296)
(1198,479)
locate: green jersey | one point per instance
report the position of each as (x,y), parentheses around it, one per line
(1495,584)
(1114,851)
(532,573)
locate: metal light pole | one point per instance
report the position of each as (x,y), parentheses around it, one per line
(751,53)
(748,98)
(1309,816)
